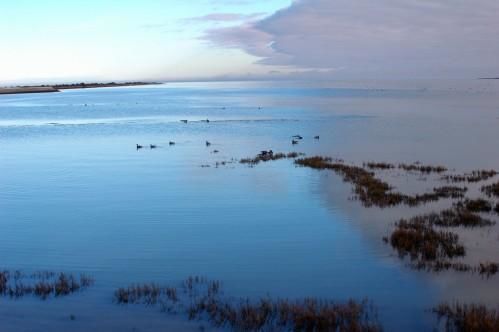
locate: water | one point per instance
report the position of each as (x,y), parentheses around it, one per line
(76,196)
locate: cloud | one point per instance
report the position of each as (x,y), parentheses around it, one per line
(365,38)
(224,17)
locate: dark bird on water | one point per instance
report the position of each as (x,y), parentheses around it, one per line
(207,120)
(208,143)
(171,143)
(294,142)
(184,121)
(316,137)
(297,137)
(215,151)
(139,146)
(152,146)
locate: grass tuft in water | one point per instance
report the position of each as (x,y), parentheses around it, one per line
(41,284)
(200,298)
(467,317)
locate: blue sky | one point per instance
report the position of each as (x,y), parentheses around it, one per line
(66,41)
(120,40)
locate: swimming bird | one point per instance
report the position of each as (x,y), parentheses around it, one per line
(207,120)
(297,137)
(171,143)
(294,142)
(316,137)
(208,143)
(215,151)
(139,146)
(184,121)
(152,146)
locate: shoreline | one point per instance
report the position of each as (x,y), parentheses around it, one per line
(59,87)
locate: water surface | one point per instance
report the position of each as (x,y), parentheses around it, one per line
(76,196)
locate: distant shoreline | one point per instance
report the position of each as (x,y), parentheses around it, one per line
(59,87)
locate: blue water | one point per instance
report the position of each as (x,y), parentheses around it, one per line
(76,196)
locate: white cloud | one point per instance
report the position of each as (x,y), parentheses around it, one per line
(365,38)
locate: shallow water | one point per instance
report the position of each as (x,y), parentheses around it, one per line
(76,196)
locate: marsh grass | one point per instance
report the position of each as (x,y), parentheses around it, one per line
(372,191)
(474,176)
(467,317)
(202,299)
(378,165)
(422,242)
(430,247)
(427,169)
(491,189)
(475,205)
(41,284)
(269,156)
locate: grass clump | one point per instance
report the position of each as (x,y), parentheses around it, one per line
(432,248)
(199,298)
(475,205)
(41,284)
(491,189)
(265,156)
(378,165)
(422,168)
(468,317)
(422,242)
(474,176)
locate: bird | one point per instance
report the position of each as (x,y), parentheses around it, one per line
(139,146)
(207,120)
(171,143)
(215,151)
(316,137)
(152,146)
(297,137)
(184,121)
(208,143)
(294,142)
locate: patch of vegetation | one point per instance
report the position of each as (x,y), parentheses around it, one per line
(422,168)
(432,248)
(41,284)
(200,298)
(474,176)
(469,318)
(457,217)
(491,189)
(420,241)
(265,156)
(475,205)
(378,165)
(372,191)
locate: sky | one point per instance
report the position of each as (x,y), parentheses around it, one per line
(109,40)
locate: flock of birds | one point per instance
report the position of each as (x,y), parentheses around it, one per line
(294,140)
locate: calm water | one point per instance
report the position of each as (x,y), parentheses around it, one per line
(76,196)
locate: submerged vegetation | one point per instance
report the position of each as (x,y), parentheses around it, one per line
(470,318)
(199,298)
(41,284)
